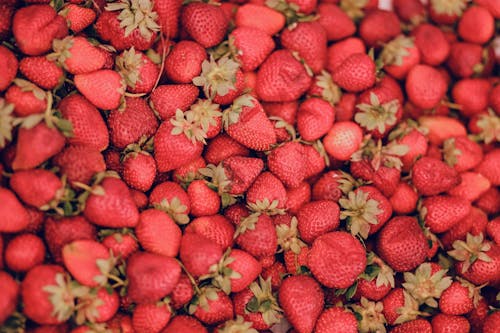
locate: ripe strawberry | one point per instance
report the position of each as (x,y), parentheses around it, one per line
(336,259)
(491,323)
(410,11)
(246,266)
(336,319)
(205,23)
(469,28)
(446,323)
(7,11)
(35,27)
(83,260)
(489,202)
(399,56)
(214,308)
(467,59)
(37,187)
(41,71)
(217,228)
(9,66)
(336,22)
(204,200)
(80,163)
(298,196)
(257,235)
(168,16)
(110,205)
(252,46)
(36,145)
(431,176)
(15,216)
(151,276)
(488,166)
(462,153)
(198,253)
(315,118)
(241,171)
(444,12)
(281,78)
(59,232)
(343,140)
(166,99)
(471,187)
(9,297)
(266,189)
(222,147)
(493,229)
(157,233)
(379,26)
(139,71)
(183,293)
(404,199)
(78,17)
(18,259)
(288,163)
(183,63)
(402,244)
(301,299)
(121,244)
(442,212)
(317,218)
(341,50)
(355,73)
(472,95)
(456,300)
(246,122)
(151,317)
(414,326)
(27,98)
(88,125)
(330,186)
(77,55)
(432,44)
(261,17)
(103,88)
(186,324)
(440,128)
(425,93)
(139,170)
(97,307)
(171,198)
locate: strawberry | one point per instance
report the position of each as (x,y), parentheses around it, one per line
(183,293)
(139,71)
(252,46)
(336,22)
(166,99)
(330,186)
(444,12)
(154,228)
(139,170)
(186,324)
(101,83)
(336,319)
(399,56)
(78,17)
(16,217)
(478,315)
(469,28)
(121,244)
(222,147)
(77,55)
(431,176)
(151,317)
(343,140)
(336,259)
(36,145)
(402,244)
(204,201)
(110,205)
(41,71)
(414,326)
(355,73)
(205,23)
(317,218)
(256,234)
(488,165)
(59,232)
(261,17)
(171,198)
(404,199)
(462,153)
(432,44)
(288,163)
(427,93)
(151,276)
(198,253)
(246,266)
(183,63)
(440,128)
(27,98)
(37,187)
(489,202)
(85,260)
(493,229)
(400,307)
(442,212)
(19,260)
(445,323)
(213,307)
(9,298)
(410,11)
(471,187)
(241,171)
(298,196)
(309,40)
(9,65)
(281,78)
(340,51)
(467,59)
(301,299)
(246,122)
(456,300)
(7,11)
(315,118)
(168,16)
(472,95)
(128,23)
(379,26)
(265,190)
(491,323)
(35,27)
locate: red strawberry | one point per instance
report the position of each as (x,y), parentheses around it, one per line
(252,46)
(185,324)
(425,86)
(103,88)
(37,187)
(432,44)
(83,260)
(443,12)
(78,17)
(9,297)
(261,17)
(166,99)
(88,125)
(18,259)
(442,212)
(468,59)
(335,21)
(35,27)
(15,216)
(440,128)
(139,170)
(302,301)
(266,189)
(27,98)
(281,78)
(330,186)
(445,323)
(205,23)
(121,244)
(217,228)
(431,176)
(151,276)
(183,63)
(355,73)
(493,229)
(151,317)
(404,199)
(336,319)
(36,145)
(491,323)
(9,66)
(488,166)
(471,187)
(336,259)
(158,233)
(59,232)
(317,218)
(222,147)
(340,51)
(314,118)
(183,292)
(7,11)
(41,71)
(462,153)
(168,16)
(288,163)
(241,171)
(80,163)
(469,28)
(456,300)
(402,244)
(171,198)
(257,235)
(204,200)
(472,95)
(77,55)
(296,197)
(412,11)
(399,56)
(343,140)
(139,71)
(414,326)
(110,205)
(379,26)
(216,307)
(198,253)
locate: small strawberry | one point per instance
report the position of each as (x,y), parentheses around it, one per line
(488,166)
(103,88)
(166,99)
(399,56)
(18,259)
(204,22)
(425,93)
(404,199)
(9,65)
(157,233)
(355,73)
(444,323)
(266,191)
(440,128)
(222,147)
(469,29)
(27,98)
(288,163)
(446,12)
(260,17)
(183,63)
(139,71)
(379,26)
(335,21)
(37,187)
(121,244)
(468,59)
(432,44)
(182,294)
(343,140)
(317,218)
(217,228)
(400,307)
(442,212)
(472,95)
(78,17)
(139,170)
(410,11)
(198,253)
(491,323)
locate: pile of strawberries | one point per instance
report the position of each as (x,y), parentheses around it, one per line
(249,166)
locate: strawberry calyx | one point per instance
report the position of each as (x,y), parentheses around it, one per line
(281,123)
(136,14)
(187,124)
(87,307)
(206,113)
(369,315)
(221,275)
(237,325)
(450,152)
(377,268)
(175,209)
(409,311)
(62,50)
(360,212)
(264,302)
(378,154)
(395,50)
(288,237)
(376,115)
(474,291)
(449,7)
(490,127)
(354,8)
(266,207)
(143,146)
(232,114)
(469,251)
(15,323)
(128,64)
(291,11)
(6,122)
(247,223)
(217,77)
(405,127)
(330,92)
(202,297)
(217,180)
(425,286)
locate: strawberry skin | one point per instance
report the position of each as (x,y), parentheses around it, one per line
(153,230)
(36,187)
(355,73)
(103,88)
(205,23)
(9,297)
(288,163)
(80,163)
(414,326)
(14,216)
(246,265)
(425,86)
(214,227)
(8,66)
(336,319)
(431,176)
(185,324)
(41,71)
(166,99)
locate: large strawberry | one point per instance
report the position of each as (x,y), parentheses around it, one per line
(15,216)
(252,46)
(355,73)
(77,55)
(425,86)
(431,176)
(288,162)
(37,187)
(153,228)
(204,22)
